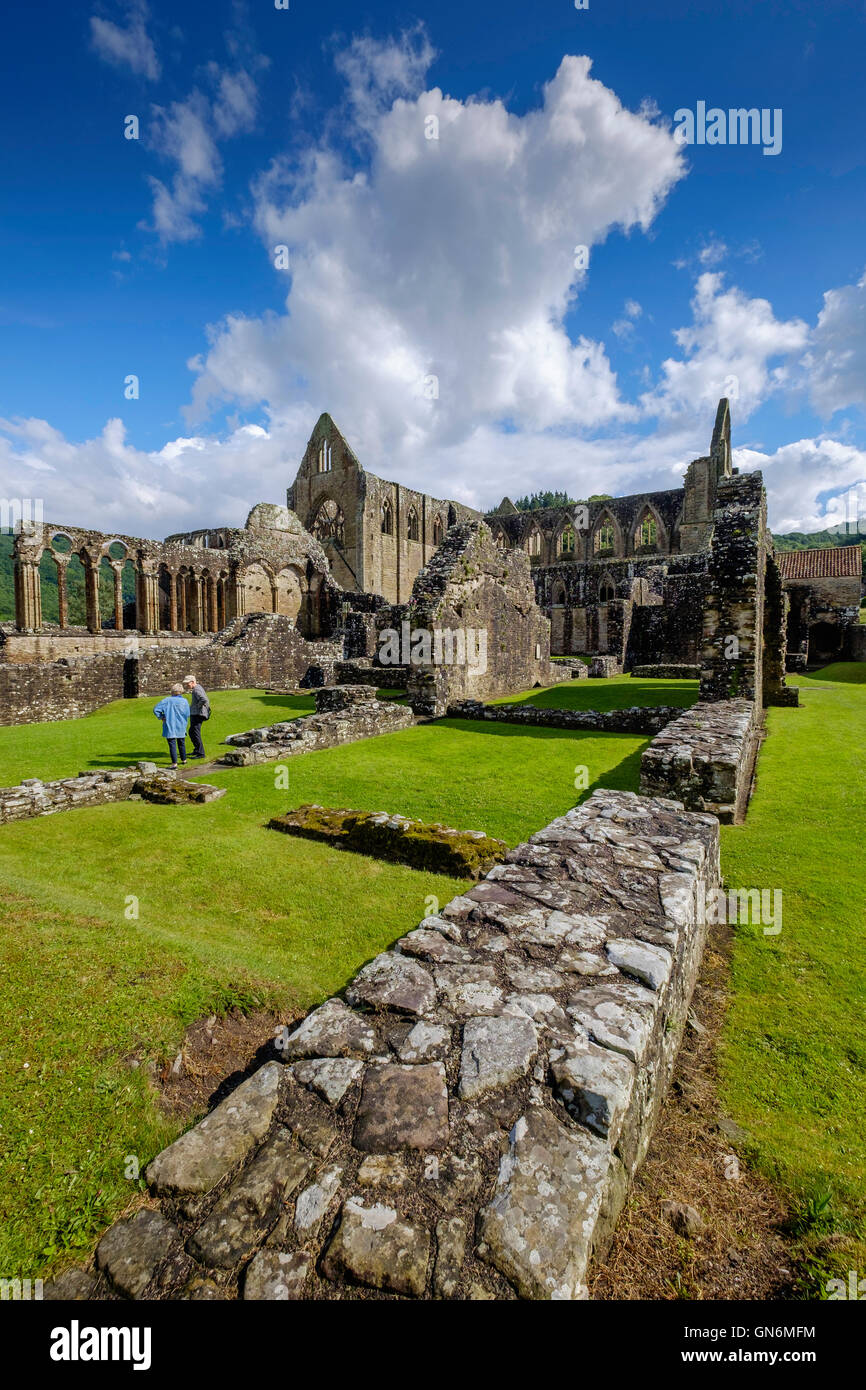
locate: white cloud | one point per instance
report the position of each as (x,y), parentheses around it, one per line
(807,482)
(188,134)
(734,347)
(128,46)
(451,257)
(836,361)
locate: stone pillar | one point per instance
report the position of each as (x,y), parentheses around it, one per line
(147,598)
(196,599)
(212,614)
(181,594)
(91,595)
(118,597)
(172,601)
(235,597)
(62,597)
(28,595)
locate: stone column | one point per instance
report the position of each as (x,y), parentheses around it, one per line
(147,598)
(235,597)
(62,596)
(28,595)
(172,601)
(181,594)
(197,620)
(118,597)
(212,614)
(91,595)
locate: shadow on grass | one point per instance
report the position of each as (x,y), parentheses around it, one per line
(841,673)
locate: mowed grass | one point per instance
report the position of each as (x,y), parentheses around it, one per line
(125,923)
(793,1061)
(128,730)
(615,692)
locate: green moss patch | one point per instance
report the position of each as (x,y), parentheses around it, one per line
(399,839)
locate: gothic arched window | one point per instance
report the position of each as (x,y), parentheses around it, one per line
(412,524)
(387,518)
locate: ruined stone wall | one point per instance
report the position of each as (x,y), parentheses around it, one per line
(377,534)
(466,1124)
(706,758)
(344,714)
(731,652)
(259,650)
(471,583)
(31,691)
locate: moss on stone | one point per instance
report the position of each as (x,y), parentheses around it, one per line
(432,847)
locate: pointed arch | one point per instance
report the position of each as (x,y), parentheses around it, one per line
(412,529)
(329,522)
(387,518)
(534,542)
(438,530)
(606,534)
(607,589)
(650,533)
(567,542)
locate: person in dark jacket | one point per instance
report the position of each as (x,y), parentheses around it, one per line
(199,712)
(174,713)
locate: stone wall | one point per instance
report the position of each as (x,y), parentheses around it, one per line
(144,780)
(706,758)
(255,651)
(472,584)
(465,1125)
(645,719)
(344,714)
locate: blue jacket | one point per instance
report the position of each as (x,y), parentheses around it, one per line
(174,713)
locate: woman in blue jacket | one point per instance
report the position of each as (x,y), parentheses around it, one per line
(174,713)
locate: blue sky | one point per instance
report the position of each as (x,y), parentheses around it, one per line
(711,268)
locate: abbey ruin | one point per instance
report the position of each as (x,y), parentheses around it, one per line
(686,579)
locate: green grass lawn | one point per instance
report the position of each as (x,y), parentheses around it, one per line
(614,692)
(227,913)
(230,913)
(794,1052)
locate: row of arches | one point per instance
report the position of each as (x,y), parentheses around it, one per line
(606,538)
(107,584)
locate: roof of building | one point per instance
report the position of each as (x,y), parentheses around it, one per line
(840,562)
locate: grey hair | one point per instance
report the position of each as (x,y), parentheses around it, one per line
(177,690)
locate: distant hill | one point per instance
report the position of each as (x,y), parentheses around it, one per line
(74,588)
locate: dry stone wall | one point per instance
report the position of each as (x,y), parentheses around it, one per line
(344,714)
(706,758)
(145,780)
(466,1121)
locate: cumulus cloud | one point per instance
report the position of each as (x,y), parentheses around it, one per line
(836,361)
(127,45)
(735,347)
(433,265)
(812,484)
(433,261)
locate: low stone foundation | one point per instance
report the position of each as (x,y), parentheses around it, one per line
(706,759)
(669,672)
(644,719)
(361,671)
(466,1123)
(344,714)
(436,848)
(145,781)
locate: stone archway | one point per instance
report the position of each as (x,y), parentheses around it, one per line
(258,590)
(290,592)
